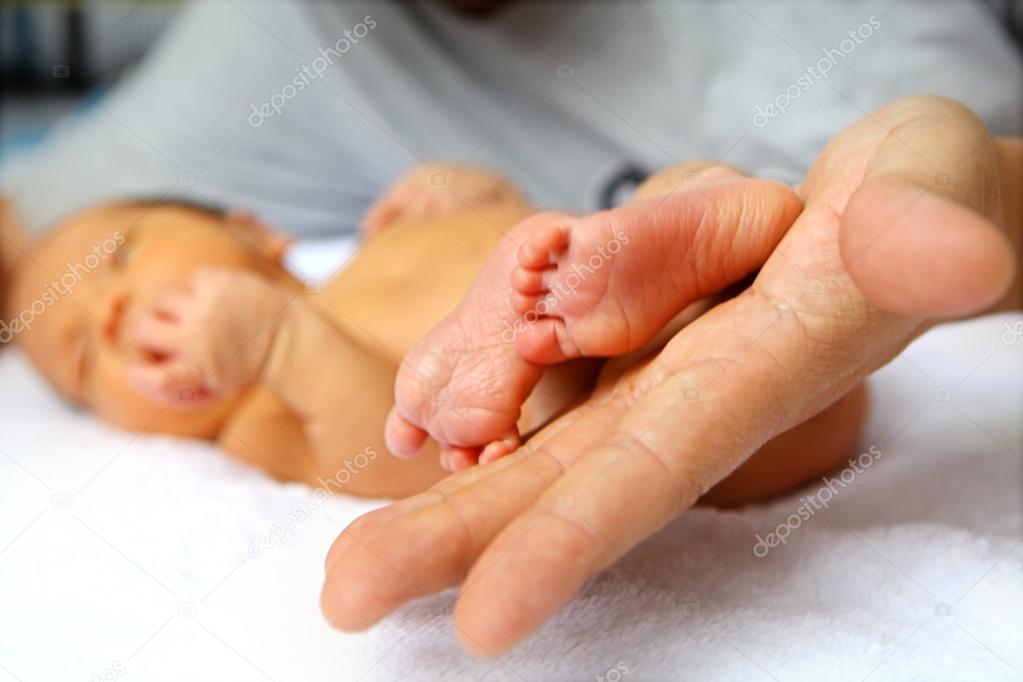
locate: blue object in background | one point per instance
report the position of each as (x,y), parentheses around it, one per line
(57,58)
(26,120)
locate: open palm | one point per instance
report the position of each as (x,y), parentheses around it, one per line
(901,227)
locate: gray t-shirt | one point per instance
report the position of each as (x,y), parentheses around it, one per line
(303,110)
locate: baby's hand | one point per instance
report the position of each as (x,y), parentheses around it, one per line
(433,191)
(210,339)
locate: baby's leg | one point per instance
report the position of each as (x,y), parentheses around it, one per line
(604,284)
(409,277)
(464,383)
(399,285)
(806,453)
(337,444)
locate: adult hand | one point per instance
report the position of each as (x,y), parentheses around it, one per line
(903,226)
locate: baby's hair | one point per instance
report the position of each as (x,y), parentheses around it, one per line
(203,208)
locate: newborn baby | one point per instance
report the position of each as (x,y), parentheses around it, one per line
(184,321)
(192,327)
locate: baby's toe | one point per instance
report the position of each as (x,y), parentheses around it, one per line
(524,304)
(455,458)
(528,281)
(546,342)
(500,448)
(544,243)
(403,438)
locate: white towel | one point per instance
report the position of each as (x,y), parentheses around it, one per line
(141,559)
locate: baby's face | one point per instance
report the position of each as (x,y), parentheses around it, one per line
(88,281)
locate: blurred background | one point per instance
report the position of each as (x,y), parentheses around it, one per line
(59,55)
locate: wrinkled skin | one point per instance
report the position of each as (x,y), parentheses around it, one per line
(904,223)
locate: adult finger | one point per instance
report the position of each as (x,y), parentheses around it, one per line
(800,338)
(671,445)
(922,234)
(359,530)
(427,544)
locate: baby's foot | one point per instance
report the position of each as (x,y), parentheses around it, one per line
(604,284)
(434,191)
(463,383)
(210,339)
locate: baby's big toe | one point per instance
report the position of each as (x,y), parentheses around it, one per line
(455,458)
(403,438)
(547,238)
(546,342)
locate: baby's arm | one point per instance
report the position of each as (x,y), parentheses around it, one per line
(232,330)
(339,390)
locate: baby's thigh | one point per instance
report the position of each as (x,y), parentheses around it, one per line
(808,452)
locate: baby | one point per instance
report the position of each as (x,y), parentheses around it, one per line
(185,322)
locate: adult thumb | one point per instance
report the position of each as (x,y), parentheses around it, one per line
(922,235)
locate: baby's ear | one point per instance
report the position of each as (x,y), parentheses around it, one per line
(274,241)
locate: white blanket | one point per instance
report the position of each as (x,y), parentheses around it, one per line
(150,558)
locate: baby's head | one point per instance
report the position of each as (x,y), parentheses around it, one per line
(82,286)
